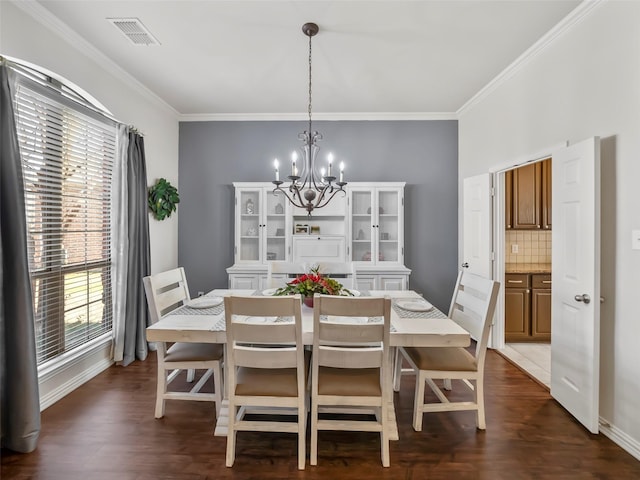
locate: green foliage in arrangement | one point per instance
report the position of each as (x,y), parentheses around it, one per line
(163,199)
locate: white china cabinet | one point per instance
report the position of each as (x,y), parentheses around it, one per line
(377,235)
(365,226)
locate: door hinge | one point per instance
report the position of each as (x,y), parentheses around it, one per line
(492,192)
(235,250)
(493,256)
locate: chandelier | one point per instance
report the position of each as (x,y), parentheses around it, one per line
(309,188)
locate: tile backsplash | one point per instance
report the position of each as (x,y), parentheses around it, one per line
(532,246)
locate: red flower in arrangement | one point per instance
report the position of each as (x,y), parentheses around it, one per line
(313,282)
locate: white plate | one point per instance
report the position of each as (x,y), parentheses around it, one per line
(205,302)
(354,320)
(355,293)
(256,320)
(415,305)
(269,292)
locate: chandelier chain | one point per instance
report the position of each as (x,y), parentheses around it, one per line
(309,108)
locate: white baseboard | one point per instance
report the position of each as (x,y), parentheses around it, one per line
(65,377)
(620,438)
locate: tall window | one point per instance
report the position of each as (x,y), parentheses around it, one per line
(68,154)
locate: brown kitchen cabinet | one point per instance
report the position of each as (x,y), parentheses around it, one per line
(527,307)
(517,311)
(541,307)
(528,197)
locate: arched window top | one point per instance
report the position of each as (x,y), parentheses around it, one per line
(65,86)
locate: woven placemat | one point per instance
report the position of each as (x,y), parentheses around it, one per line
(402,313)
(187,310)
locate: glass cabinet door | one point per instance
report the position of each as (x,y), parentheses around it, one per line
(275,226)
(388,222)
(248,218)
(361,226)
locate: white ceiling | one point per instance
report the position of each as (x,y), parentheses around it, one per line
(370,58)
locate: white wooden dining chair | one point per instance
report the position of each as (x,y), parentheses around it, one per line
(266,367)
(279,273)
(473,306)
(343,272)
(350,366)
(165,292)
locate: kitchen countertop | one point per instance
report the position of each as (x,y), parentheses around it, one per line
(527,267)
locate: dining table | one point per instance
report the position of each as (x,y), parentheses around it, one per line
(410,327)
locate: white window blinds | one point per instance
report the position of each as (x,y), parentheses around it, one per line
(67,154)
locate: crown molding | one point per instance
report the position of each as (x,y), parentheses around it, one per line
(566,24)
(354,116)
(53,23)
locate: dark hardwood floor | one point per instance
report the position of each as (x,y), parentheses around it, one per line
(106,430)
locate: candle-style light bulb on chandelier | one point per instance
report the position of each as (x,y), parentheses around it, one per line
(308,188)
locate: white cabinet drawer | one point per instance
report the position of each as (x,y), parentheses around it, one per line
(318,249)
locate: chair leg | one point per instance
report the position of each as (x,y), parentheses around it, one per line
(384,435)
(314,434)
(161,387)
(479,394)
(397,370)
(302,436)
(231,435)
(191,375)
(418,401)
(217,386)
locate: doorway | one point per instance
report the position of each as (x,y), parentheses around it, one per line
(575,352)
(525,262)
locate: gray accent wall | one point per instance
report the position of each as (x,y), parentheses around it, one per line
(424,154)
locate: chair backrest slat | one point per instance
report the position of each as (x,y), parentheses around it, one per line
(264,333)
(350,345)
(344,332)
(338,357)
(276,343)
(265,357)
(165,292)
(472,307)
(343,272)
(288,270)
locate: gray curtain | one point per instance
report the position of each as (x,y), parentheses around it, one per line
(19,396)
(135,343)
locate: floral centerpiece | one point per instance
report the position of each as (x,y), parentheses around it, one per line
(310,283)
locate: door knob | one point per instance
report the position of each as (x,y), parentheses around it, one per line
(465,265)
(582,298)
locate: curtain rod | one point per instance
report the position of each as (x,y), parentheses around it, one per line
(134,129)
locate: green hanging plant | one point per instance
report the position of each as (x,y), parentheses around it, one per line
(163,199)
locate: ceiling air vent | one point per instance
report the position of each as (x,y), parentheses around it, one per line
(134,30)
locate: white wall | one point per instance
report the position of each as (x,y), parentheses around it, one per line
(23,37)
(32,35)
(585,83)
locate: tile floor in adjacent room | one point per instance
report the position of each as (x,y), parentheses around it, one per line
(533,358)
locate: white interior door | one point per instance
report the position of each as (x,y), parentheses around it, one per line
(477,207)
(575,339)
